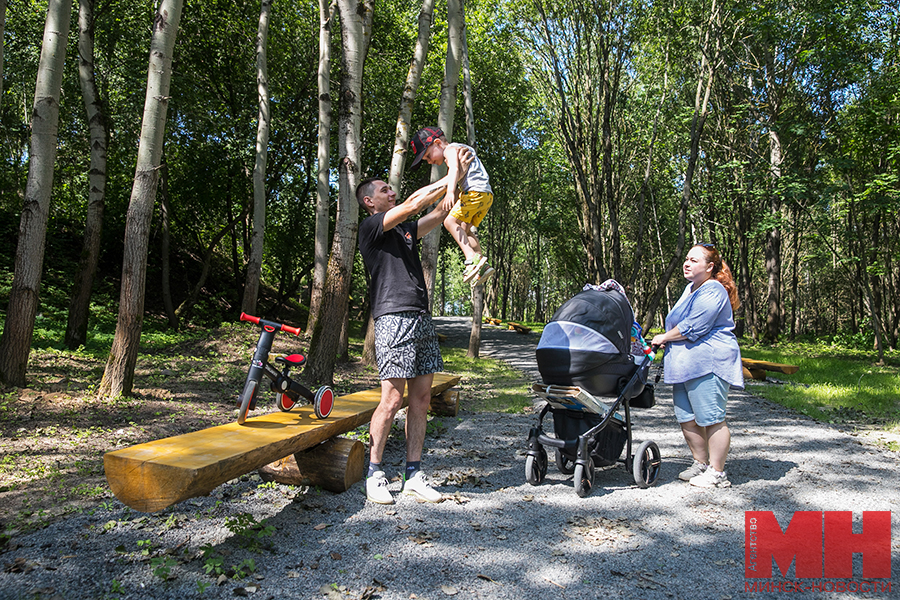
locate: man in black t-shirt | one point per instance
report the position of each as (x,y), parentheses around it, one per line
(406,346)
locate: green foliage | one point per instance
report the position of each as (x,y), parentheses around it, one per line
(249,531)
(834,383)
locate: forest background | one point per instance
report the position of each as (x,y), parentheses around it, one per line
(616,133)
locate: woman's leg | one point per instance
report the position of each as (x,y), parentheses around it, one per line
(719,441)
(696,439)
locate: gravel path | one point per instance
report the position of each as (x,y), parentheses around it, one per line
(495,537)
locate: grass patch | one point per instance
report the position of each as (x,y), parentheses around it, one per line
(834,384)
(487,385)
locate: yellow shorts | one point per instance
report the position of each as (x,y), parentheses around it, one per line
(472,207)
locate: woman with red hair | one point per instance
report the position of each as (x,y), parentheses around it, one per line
(702,361)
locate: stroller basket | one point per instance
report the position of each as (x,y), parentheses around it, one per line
(566,397)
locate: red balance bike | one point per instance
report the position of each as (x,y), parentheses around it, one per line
(287,391)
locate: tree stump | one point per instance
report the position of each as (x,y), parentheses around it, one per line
(333,465)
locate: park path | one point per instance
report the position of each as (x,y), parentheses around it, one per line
(495,537)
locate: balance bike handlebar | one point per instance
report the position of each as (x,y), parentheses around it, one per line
(270,325)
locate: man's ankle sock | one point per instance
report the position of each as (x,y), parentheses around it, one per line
(373,468)
(411,468)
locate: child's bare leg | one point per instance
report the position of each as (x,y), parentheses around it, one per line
(461,232)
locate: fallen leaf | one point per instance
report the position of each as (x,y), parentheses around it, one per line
(485,577)
(321,526)
(335,556)
(449,590)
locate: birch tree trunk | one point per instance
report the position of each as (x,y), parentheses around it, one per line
(79,306)
(24,297)
(410,89)
(323,183)
(469,104)
(118,378)
(455,24)
(254,265)
(401,136)
(356,31)
(2,29)
(165,240)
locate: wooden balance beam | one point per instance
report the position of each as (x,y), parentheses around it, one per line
(152,476)
(756,369)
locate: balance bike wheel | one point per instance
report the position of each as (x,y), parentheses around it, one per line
(284,402)
(324,402)
(246,399)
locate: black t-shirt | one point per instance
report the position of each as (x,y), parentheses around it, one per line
(396,279)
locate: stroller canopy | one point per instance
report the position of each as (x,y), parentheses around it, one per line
(588,342)
(593,320)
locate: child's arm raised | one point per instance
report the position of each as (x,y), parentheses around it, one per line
(456,170)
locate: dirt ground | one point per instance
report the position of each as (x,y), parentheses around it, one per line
(54,433)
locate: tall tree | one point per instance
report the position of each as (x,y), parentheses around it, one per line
(469,104)
(254,265)
(709,50)
(323,166)
(356,31)
(2,29)
(118,377)
(583,48)
(455,25)
(79,306)
(24,297)
(410,89)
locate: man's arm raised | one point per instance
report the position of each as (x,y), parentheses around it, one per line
(414,204)
(421,198)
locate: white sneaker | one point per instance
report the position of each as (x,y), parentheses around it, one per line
(377,489)
(710,478)
(418,486)
(692,471)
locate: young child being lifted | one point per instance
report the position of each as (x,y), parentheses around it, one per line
(468,202)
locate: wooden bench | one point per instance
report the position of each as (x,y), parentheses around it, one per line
(756,369)
(518,327)
(155,475)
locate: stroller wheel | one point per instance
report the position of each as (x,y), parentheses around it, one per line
(645,465)
(584,478)
(565,465)
(536,467)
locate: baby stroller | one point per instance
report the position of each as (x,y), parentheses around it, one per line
(591,381)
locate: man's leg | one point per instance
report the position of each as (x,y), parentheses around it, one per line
(379,430)
(383,417)
(414,480)
(417,415)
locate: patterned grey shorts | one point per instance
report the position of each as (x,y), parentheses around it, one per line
(406,345)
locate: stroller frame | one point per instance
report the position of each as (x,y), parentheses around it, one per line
(586,448)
